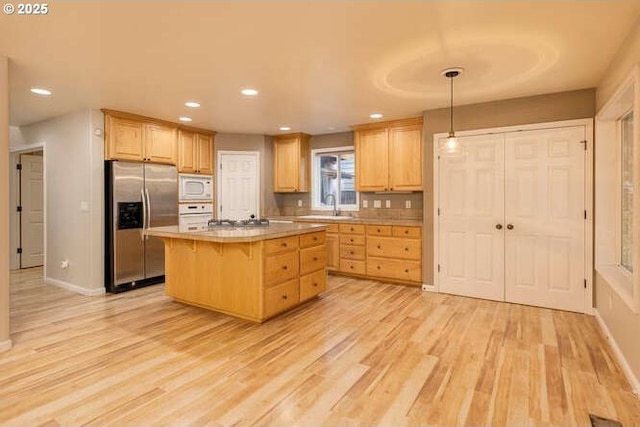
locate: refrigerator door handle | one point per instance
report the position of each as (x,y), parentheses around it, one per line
(144,215)
(146,191)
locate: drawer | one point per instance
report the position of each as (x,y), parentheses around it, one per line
(352,239)
(312,259)
(352,252)
(280,267)
(390,247)
(407,232)
(379,230)
(312,284)
(351,266)
(333,228)
(274,246)
(281,297)
(410,271)
(312,239)
(352,228)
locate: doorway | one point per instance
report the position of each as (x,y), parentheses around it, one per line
(511,219)
(27,201)
(238,184)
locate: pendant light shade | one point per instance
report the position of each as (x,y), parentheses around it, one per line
(451,145)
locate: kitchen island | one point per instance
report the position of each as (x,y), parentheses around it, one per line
(253,273)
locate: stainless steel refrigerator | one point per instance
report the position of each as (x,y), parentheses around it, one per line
(138,196)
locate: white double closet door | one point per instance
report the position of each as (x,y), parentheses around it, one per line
(511,223)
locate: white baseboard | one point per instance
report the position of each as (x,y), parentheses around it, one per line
(635,384)
(429,288)
(5,345)
(74,288)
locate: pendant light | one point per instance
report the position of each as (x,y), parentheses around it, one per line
(451,145)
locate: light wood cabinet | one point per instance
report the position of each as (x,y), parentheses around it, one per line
(195,152)
(291,165)
(130,137)
(389,156)
(352,249)
(333,251)
(394,254)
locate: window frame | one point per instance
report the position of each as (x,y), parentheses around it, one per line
(608,248)
(315,181)
(619,182)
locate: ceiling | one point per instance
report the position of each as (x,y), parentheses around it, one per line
(320,66)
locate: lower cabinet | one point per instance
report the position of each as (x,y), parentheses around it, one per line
(294,271)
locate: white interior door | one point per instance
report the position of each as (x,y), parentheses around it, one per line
(471,204)
(511,223)
(32,215)
(545,213)
(238,184)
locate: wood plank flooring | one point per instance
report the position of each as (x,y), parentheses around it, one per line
(365,353)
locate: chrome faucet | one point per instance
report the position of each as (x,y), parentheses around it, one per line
(336,212)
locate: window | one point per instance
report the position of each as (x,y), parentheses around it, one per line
(333,174)
(626,192)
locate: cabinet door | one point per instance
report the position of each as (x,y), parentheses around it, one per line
(372,160)
(333,251)
(187,152)
(405,158)
(286,166)
(160,144)
(204,154)
(125,139)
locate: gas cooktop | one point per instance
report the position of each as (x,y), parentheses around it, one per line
(231,223)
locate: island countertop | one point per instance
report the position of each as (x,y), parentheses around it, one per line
(234,234)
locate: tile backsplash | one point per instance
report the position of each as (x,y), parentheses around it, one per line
(288,205)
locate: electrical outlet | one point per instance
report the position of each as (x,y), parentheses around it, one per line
(299,203)
(407,204)
(365,203)
(377,204)
(387,203)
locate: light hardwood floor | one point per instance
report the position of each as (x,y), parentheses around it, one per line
(365,353)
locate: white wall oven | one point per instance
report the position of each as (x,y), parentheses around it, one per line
(195,214)
(195,188)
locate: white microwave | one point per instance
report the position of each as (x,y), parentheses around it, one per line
(195,187)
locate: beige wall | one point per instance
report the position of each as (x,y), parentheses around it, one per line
(74,176)
(5,342)
(622,322)
(578,104)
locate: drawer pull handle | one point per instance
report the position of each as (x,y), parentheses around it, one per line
(315,258)
(315,239)
(406,249)
(315,284)
(284,267)
(379,247)
(351,240)
(378,267)
(351,252)
(351,267)
(378,230)
(406,270)
(284,297)
(406,231)
(283,244)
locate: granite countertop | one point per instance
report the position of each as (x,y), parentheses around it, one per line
(348,220)
(233,235)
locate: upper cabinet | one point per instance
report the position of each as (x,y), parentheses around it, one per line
(195,152)
(130,137)
(291,163)
(389,155)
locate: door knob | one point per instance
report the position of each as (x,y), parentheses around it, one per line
(509,227)
(499,226)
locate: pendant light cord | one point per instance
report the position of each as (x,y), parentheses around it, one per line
(451,108)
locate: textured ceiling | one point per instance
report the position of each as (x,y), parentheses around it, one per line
(320,66)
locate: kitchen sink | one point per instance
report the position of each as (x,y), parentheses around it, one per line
(327,217)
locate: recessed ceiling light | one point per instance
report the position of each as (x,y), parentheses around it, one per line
(192,104)
(249,92)
(185,119)
(285,128)
(41,91)
(376,116)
